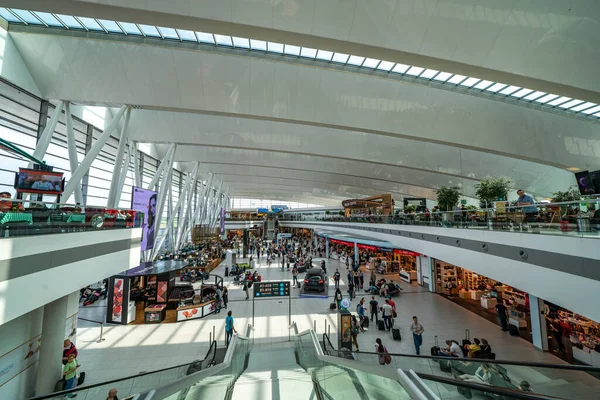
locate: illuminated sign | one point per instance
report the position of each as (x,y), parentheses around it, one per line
(271,289)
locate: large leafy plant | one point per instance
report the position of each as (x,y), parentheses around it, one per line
(569,195)
(492,189)
(447,197)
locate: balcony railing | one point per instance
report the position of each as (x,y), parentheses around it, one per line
(567,218)
(28,217)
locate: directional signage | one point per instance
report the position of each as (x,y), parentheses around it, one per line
(271,289)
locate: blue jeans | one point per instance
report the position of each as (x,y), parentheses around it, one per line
(228,335)
(418,339)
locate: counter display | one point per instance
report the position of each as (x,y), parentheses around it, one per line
(196,311)
(408,276)
(155,313)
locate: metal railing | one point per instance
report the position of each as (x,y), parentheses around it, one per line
(102,338)
(577,218)
(32,217)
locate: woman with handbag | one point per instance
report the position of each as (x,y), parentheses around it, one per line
(381,350)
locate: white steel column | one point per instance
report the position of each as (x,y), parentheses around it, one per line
(180,208)
(119,159)
(72,148)
(188,206)
(213,205)
(91,156)
(163,190)
(137,180)
(204,210)
(161,167)
(123,174)
(44,142)
(199,204)
(170,223)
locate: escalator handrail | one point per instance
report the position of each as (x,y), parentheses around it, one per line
(585,368)
(212,348)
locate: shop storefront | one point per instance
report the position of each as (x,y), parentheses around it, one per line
(481,294)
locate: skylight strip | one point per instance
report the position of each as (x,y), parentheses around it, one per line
(591,110)
(469,82)
(91,24)
(324,55)
(442,76)
(273,47)
(570,104)
(582,107)
(560,100)
(483,85)
(9,16)
(495,87)
(69,21)
(400,68)
(429,73)
(415,71)
(521,93)
(259,45)
(371,63)
(308,52)
(533,96)
(356,60)
(340,58)
(290,50)
(547,98)
(240,43)
(509,90)
(456,79)
(50,20)
(204,37)
(385,66)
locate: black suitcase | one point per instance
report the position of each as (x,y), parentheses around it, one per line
(381,325)
(435,350)
(466,341)
(365,322)
(332,306)
(513,330)
(60,385)
(396,334)
(81,379)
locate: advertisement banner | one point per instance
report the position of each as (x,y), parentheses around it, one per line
(117,308)
(145,200)
(16,361)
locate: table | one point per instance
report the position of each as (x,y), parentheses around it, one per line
(16,217)
(76,218)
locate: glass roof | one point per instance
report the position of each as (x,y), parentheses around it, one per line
(416,73)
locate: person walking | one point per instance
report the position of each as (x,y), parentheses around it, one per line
(386,314)
(502,311)
(295,276)
(246,288)
(351,289)
(70,373)
(361,278)
(355,326)
(229,328)
(382,352)
(218,297)
(225,296)
(374,308)
(356,280)
(373,280)
(336,279)
(68,349)
(360,309)
(417,330)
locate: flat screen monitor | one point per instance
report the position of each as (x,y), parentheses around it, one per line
(585,183)
(36,181)
(145,200)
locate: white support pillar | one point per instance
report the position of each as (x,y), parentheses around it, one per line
(327,247)
(220,205)
(137,180)
(188,207)
(356,254)
(213,206)
(44,142)
(113,192)
(53,335)
(207,193)
(91,156)
(123,174)
(72,148)
(199,204)
(163,190)
(180,209)
(539,331)
(170,223)
(161,167)
(170,217)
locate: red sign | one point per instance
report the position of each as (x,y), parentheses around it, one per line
(341,242)
(406,253)
(367,247)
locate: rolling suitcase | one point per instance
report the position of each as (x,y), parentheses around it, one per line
(396,334)
(365,322)
(435,350)
(513,330)
(466,341)
(381,325)
(332,306)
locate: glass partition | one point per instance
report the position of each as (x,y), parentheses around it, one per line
(28,217)
(575,218)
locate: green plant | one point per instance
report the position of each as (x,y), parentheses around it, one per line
(341,213)
(471,207)
(327,212)
(410,208)
(492,189)
(447,197)
(569,195)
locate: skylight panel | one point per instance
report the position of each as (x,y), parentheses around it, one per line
(91,24)
(521,93)
(49,19)
(70,21)
(534,95)
(570,104)
(442,76)
(456,79)
(597,115)
(415,71)
(591,110)
(509,90)
(340,58)
(469,82)
(168,33)
(291,50)
(130,29)
(186,35)
(223,40)
(324,55)
(241,43)
(27,16)
(400,68)
(385,66)
(273,47)
(371,63)
(483,85)
(110,26)
(547,98)
(495,87)
(308,52)
(149,30)
(356,60)
(204,37)
(558,101)
(258,45)
(7,15)
(429,73)
(583,106)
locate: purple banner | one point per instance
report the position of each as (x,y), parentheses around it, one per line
(145,200)
(222,220)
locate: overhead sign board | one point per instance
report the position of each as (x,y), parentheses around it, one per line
(271,289)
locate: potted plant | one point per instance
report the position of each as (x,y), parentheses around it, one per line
(492,189)
(410,208)
(568,195)
(447,197)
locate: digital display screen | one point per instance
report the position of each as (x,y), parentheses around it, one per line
(585,183)
(145,200)
(271,289)
(35,181)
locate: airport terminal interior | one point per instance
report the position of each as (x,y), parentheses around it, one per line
(299,199)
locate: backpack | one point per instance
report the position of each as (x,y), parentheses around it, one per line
(355,330)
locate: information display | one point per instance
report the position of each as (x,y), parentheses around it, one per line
(271,289)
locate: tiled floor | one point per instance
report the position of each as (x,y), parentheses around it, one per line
(129,350)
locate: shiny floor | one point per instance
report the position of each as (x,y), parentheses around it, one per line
(129,350)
